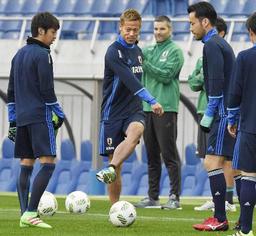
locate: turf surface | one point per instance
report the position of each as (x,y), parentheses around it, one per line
(149,222)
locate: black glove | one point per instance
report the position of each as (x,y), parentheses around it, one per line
(57,121)
(12,131)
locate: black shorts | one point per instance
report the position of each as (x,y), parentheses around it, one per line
(112,133)
(245,152)
(220,142)
(35,140)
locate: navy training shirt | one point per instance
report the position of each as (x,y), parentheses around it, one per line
(122,75)
(242,92)
(31,83)
(218,62)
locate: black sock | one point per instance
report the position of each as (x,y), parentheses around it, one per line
(218,190)
(247,202)
(40,183)
(23,183)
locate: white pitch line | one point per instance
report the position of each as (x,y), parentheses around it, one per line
(138,217)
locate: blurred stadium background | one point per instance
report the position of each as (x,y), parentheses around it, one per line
(87,28)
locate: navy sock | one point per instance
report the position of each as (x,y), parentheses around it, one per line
(40,183)
(238,189)
(218,189)
(23,183)
(229,194)
(247,202)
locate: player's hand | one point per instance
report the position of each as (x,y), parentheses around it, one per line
(12,131)
(157,109)
(57,121)
(232,129)
(205,123)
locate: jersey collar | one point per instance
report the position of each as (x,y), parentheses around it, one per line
(121,40)
(32,40)
(209,35)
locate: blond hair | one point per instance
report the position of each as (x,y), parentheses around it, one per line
(130,15)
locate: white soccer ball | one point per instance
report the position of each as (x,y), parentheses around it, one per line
(77,202)
(48,204)
(122,213)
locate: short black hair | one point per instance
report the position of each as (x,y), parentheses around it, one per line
(44,20)
(204,10)
(251,23)
(221,25)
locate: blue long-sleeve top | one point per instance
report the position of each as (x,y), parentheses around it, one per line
(242,92)
(122,90)
(31,88)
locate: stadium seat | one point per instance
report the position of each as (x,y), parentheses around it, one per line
(83,7)
(128,168)
(234,8)
(31,7)
(10,26)
(147,30)
(188,179)
(11,35)
(65,7)
(180,31)
(108,30)
(249,7)
(49,5)
(62,176)
(190,155)
(144,7)
(9,167)
(2,7)
(162,7)
(219,5)
(100,8)
(86,151)
(179,7)
(139,185)
(67,150)
(116,7)
(180,36)
(240,37)
(202,187)
(14,7)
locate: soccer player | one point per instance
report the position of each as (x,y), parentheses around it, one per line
(161,69)
(218,61)
(122,117)
(196,83)
(31,105)
(241,118)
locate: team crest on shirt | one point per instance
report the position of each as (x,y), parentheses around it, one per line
(140,59)
(109,141)
(164,56)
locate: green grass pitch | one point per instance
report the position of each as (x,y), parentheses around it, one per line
(149,222)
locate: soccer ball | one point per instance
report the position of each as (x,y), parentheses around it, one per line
(48,204)
(77,202)
(122,214)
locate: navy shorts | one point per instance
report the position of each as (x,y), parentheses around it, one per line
(112,133)
(245,152)
(35,140)
(220,142)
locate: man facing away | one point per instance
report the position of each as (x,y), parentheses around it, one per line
(122,117)
(162,63)
(32,103)
(218,61)
(241,118)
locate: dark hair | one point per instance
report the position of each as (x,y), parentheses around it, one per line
(204,10)
(251,23)
(43,20)
(221,25)
(164,19)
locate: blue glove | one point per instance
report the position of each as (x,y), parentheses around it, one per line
(12,131)
(206,123)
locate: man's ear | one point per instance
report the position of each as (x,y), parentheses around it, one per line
(205,22)
(41,31)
